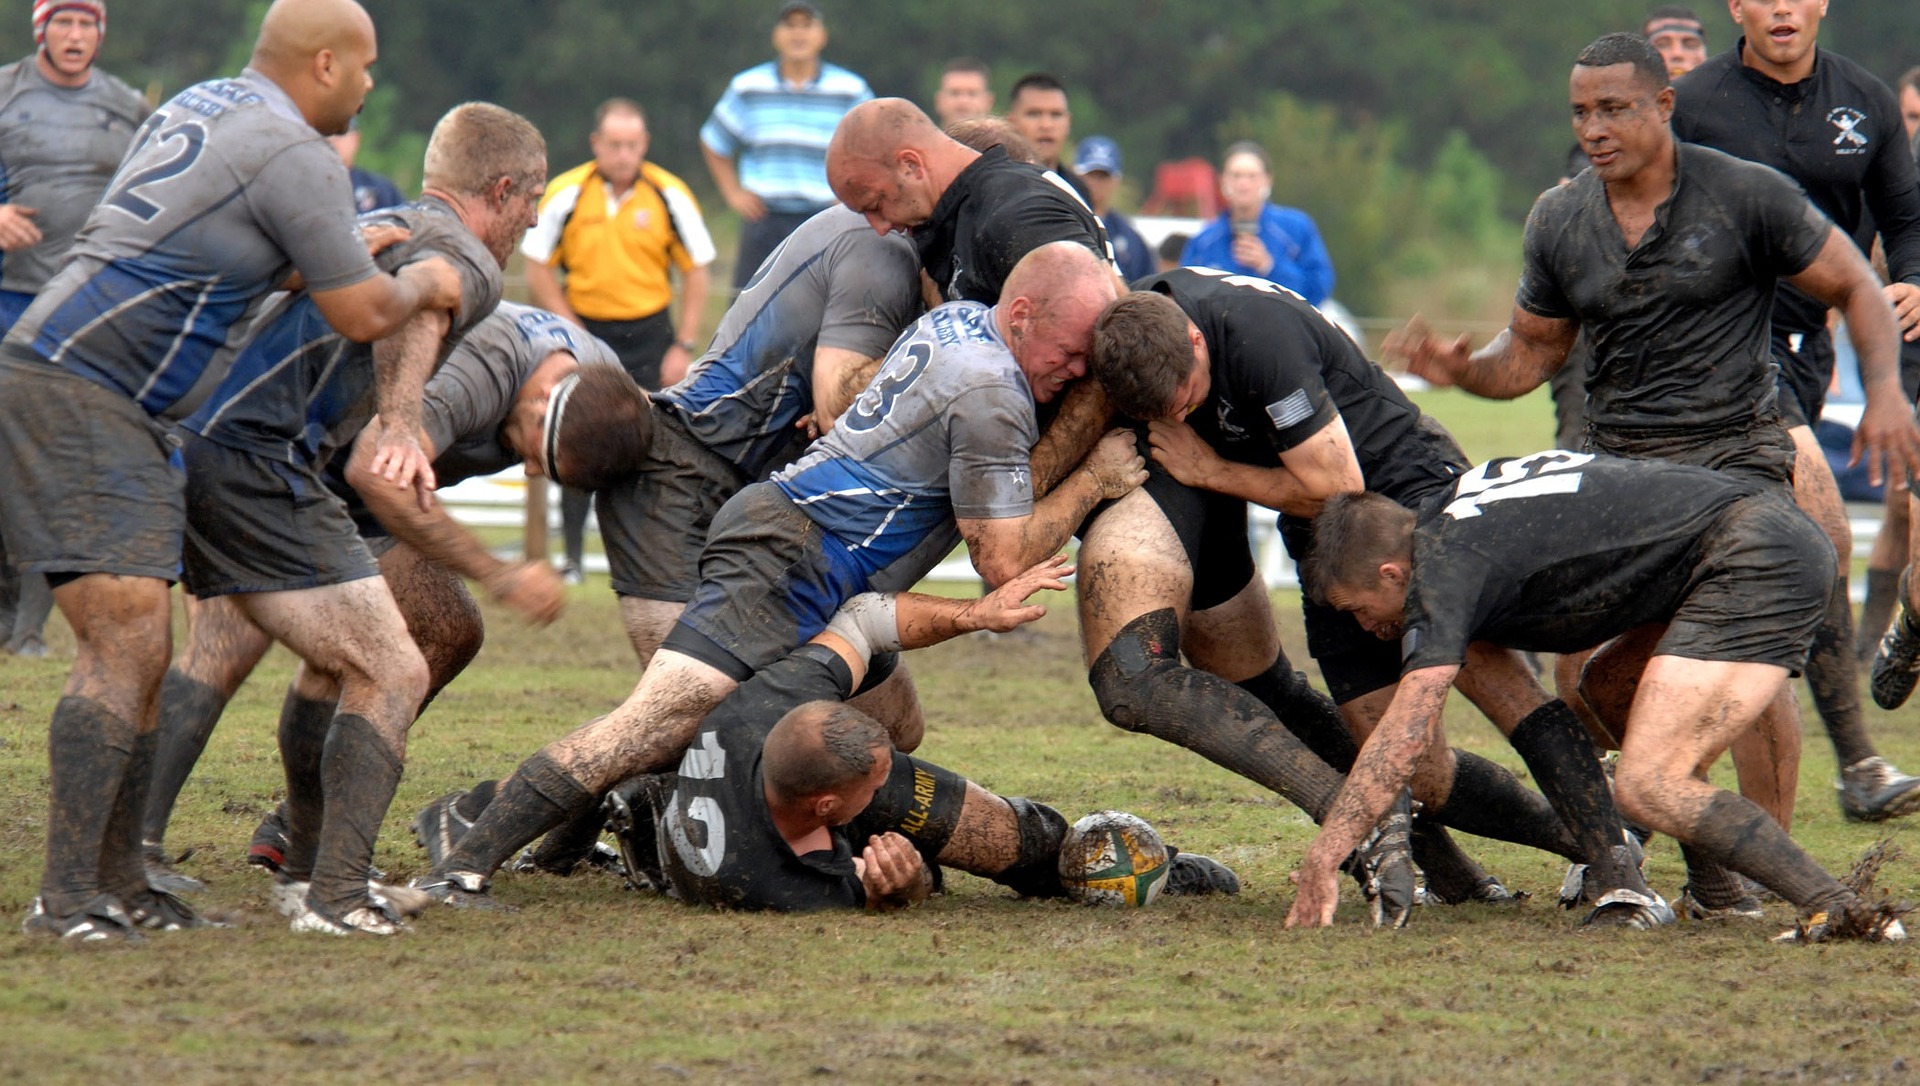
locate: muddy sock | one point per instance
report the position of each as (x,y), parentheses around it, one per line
(1883,592)
(471,805)
(1834,677)
(1142,687)
(1488,801)
(1451,874)
(304,724)
(1306,712)
(359,770)
(189,709)
(1736,832)
(569,843)
(88,749)
(539,796)
(1710,882)
(1036,870)
(1555,746)
(123,868)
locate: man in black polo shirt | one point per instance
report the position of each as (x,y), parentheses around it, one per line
(1777,99)
(1554,552)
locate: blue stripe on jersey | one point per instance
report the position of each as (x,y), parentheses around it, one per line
(875,518)
(144,305)
(299,337)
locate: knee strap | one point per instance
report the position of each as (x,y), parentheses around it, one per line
(1036,873)
(1126,679)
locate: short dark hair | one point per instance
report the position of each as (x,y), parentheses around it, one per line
(1673,13)
(607,429)
(1039,81)
(983,134)
(1611,49)
(1141,353)
(1173,247)
(617,105)
(1353,535)
(796,767)
(967,64)
(1248,147)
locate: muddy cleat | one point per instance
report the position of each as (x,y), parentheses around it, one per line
(461,889)
(1574,887)
(1629,909)
(1383,866)
(157,910)
(365,920)
(162,876)
(439,826)
(268,847)
(1873,790)
(1861,922)
(1700,903)
(1191,874)
(289,896)
(102,919)
(631,822)
(1896,666)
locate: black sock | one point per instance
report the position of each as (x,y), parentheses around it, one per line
(188,711)
(539,796)
(1035,872)
(569,843)
(1451,873)
(1834,677)
(1709,881)
(471,805)
(88,749)
(123,867)
(359,770)
(1559,754)
(1488,801)
(1736,832)
(304,725)
(1307,713)
(1876,614)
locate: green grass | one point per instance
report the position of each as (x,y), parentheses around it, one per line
(589,981)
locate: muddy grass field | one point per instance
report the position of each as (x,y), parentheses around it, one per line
(588,981)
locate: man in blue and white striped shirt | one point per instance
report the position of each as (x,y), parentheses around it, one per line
(766,139)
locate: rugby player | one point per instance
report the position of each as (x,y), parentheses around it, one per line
(228,189)
(263,528)
(1253,396)
(939,445)
(1556,552)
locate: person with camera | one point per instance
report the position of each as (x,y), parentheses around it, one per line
(1258,238)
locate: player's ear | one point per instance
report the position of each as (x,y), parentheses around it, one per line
(1394,572)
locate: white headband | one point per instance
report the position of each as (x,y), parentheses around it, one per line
(556,411)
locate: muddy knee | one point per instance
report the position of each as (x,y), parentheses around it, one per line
(1136,668)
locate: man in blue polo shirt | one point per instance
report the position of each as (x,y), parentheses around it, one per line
(766,140)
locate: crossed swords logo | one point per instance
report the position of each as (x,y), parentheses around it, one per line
(1847,120)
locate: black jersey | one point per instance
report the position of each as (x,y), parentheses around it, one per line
(1677,326)
(718,844)
(1281,373)
(994,213)
(1837,132)
(1557,552)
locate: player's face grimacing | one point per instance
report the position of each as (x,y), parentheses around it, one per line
(1052,352)
(1380,608)
(1619,119)
(73,40)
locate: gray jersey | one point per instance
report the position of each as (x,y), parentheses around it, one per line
(470,398)
(59,147)
(832,283)
(945,430)
(226,191)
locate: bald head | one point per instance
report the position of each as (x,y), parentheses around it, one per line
(318,51)
(1062,270)
(1047,311)
(889,162)
(874,130)
(821,747)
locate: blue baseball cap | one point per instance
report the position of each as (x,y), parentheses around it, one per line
(1097,153)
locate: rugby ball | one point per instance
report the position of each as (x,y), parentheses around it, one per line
(1113,858)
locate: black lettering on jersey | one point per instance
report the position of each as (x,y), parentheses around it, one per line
(1532,476)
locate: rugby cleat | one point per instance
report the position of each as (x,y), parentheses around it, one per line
(158,910)
(162,876)
(1383,866)
(630,819)
(102,919)
(461,889)
(1629,909)
(289,896)
(439,826)
(1190,875)
(1745,906)
(1574,888)
(1860,922)
(268,847)
(365,920)
(1873,790)
(1896,666)
(601,857)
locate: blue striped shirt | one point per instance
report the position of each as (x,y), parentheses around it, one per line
(777,132)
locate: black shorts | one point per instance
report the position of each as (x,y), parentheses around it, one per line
(919,801)
(89,482)
(1759,587)
(770,578)
(256,524)
(1759,449)
(1910,370)
(654,525)
(1213,532)
(641,344)
(1804,375)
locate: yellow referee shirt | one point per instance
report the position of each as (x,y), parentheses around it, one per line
(616,254)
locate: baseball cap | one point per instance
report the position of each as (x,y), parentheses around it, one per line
(797,7)
(1097,153)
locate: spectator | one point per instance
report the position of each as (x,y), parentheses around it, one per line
(1261,239)
(766,140)
(964,93)
(1909,88)
(1677,34)
(1172,248)
(1097,161)
(619,226)
(1038,109)
(371,192)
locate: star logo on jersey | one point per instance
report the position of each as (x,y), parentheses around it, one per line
(1849,141)
(1020,478)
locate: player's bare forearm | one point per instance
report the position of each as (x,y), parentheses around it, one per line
(1384,766)
(1002,548)
(402,363)
(1513,364)
(839,376)
(432,532)
(924,620)
(1084,415)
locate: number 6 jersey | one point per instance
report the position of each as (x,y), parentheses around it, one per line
(226,191)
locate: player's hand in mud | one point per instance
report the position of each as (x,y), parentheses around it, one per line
(399,459)
(1116,464)
(1006,607)
(1316,896)
(1191,461)
(532,589)
(1426,355)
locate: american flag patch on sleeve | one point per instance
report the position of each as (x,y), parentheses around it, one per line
(1291,411)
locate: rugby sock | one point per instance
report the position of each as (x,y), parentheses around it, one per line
(1307,713)
(359,771)
(1035,872)
(304,724)
(189,709)
(123,870)
(1141,687)
(1710,883)
(540,795)
(568,844)
(1876,614)
(471,805)
(1737,833)
(1559,754)
(88,749)
(1488,801)
(1834,677)
(1452,875)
